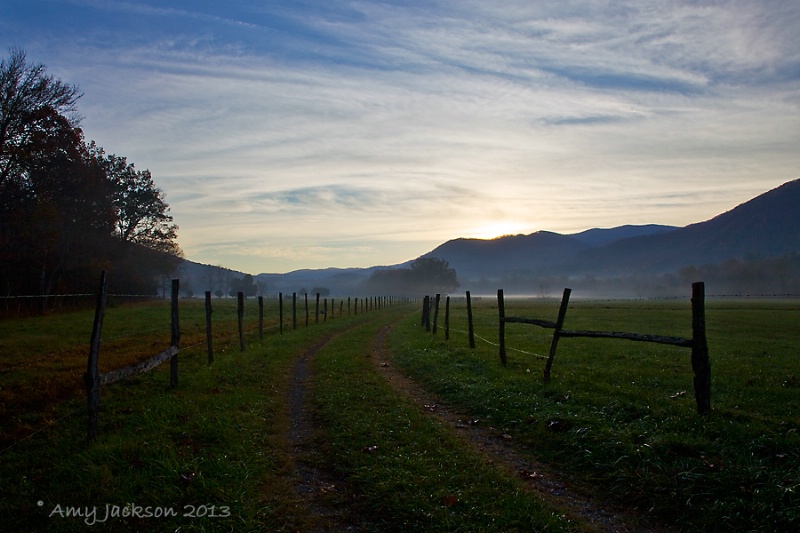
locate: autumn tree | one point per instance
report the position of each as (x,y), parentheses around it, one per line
(66,209)
(28,100)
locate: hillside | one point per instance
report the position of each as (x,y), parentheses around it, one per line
(767,226)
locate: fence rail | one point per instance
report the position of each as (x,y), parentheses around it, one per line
(93,379)
(700,362)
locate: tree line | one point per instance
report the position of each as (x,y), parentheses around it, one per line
(67,208)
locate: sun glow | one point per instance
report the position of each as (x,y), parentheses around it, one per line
(499,228)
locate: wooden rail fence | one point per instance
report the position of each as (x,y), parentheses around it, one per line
(701,365)
(93,379)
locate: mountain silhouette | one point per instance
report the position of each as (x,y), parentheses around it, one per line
(766,226)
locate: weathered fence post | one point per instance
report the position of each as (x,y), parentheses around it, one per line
(470,328)
(280,312)
(562,313)
(240,318)
(209,345)
(501,310)
(424,310)
(316,311)
(92,377)
(260,318)
(341,308)
(436,314)
(447,318)
(700,360)
(428,304)
(348,306)
(294,310)
(176,335)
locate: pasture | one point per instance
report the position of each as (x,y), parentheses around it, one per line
(620,415)
(618,419)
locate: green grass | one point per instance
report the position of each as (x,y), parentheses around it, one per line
(615,418)
(616,415)
(410,473)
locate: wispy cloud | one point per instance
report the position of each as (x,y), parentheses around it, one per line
(370,132)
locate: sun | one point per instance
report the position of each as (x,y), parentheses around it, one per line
(498,228)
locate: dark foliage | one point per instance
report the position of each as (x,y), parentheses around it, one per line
(66,210)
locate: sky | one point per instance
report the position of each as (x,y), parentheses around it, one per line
(310,134)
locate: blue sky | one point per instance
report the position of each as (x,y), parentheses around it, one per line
(300,134)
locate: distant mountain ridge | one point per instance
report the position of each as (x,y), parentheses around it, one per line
(767,226)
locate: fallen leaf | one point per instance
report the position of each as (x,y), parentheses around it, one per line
(450,500)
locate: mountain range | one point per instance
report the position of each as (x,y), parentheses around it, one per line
(767,226)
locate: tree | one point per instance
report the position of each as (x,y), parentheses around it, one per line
(55,210)
(142,213)
(433,275)
(28,97)
(67,210)
(425,275)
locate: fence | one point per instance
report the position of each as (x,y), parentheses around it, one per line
(701,365)
(93,379)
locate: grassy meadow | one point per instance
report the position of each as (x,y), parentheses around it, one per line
(618,419)
(620,416)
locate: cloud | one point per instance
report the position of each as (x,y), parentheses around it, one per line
(280,127)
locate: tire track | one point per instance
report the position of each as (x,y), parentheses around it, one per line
(580,508)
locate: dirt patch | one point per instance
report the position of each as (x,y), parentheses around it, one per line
(583,510)
(318,493)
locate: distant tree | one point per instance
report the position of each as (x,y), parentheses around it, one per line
(249,285)
(433,275)
(425,275)
(246,285)
(322,291)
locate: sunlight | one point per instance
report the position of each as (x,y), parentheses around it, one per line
(499,228)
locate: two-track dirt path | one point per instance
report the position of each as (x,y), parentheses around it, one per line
(313,485)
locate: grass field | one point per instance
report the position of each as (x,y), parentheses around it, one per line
(620,415)
(618,418)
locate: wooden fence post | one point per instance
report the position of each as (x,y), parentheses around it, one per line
(280,312)
(428,304)
(447,318)
(501,310)
(209,344)
(436,314)
(469,322)
(562,313)
(176,335)
(294,310)
(240,318)
(424,310)
(700,360)
(260,318)
(316,311)
(305,299)
(92,377)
